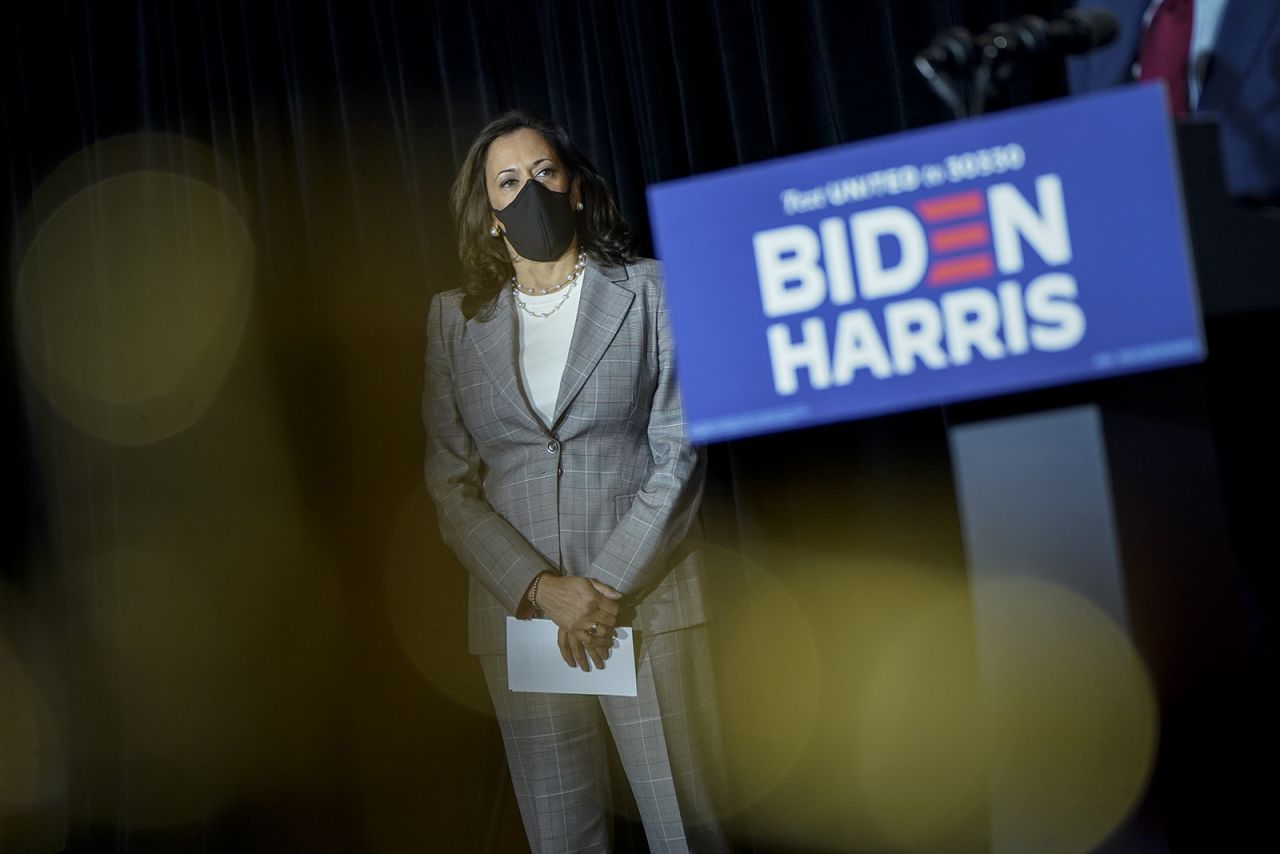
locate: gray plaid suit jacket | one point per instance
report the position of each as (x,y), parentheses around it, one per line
(609,490)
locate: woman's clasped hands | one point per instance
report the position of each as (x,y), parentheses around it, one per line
(586,612)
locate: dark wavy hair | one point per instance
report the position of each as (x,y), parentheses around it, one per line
(486,268)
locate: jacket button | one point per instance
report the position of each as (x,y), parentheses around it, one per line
(553,447)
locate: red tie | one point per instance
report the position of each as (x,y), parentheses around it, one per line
(1166,45)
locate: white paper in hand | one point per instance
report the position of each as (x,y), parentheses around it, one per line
(534,663)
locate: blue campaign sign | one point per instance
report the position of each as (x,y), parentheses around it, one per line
(1035,247)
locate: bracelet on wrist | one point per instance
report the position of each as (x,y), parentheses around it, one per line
(533,592)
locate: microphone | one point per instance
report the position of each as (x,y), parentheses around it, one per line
(952,49)
(1077,31)
(1082,30)
(956,55)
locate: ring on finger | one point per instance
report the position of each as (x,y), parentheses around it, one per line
(593,629)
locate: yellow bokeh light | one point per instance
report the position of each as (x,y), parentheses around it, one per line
(19,734)
(1072,716)
(33,796)
(175,711)
(215,637)
(131,298)
(949,716)
(427,600)
(768,668)
(895,760)
(919,759)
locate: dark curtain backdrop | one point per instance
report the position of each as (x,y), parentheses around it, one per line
(226,618)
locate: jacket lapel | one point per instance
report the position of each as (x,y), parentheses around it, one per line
(1245,29)
(496,342)
(603,306)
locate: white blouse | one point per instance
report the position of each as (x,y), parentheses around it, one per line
(544,345)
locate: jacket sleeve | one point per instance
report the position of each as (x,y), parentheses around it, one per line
(486,543)
(636,555)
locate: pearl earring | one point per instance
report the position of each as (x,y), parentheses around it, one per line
(580,207)
(493,231)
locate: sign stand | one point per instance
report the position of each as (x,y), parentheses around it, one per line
(1113,491)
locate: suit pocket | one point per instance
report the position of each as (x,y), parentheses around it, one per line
(621,505)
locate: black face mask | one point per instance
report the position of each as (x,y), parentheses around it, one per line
(539,222)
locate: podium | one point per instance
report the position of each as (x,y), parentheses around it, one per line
(1144,472)
(1124,478)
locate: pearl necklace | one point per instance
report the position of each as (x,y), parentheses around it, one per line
(578,267)
(568,292)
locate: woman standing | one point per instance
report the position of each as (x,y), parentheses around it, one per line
(558,462)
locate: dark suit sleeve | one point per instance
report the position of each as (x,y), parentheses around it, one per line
(636,555)
(1110,65)
(488,546)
